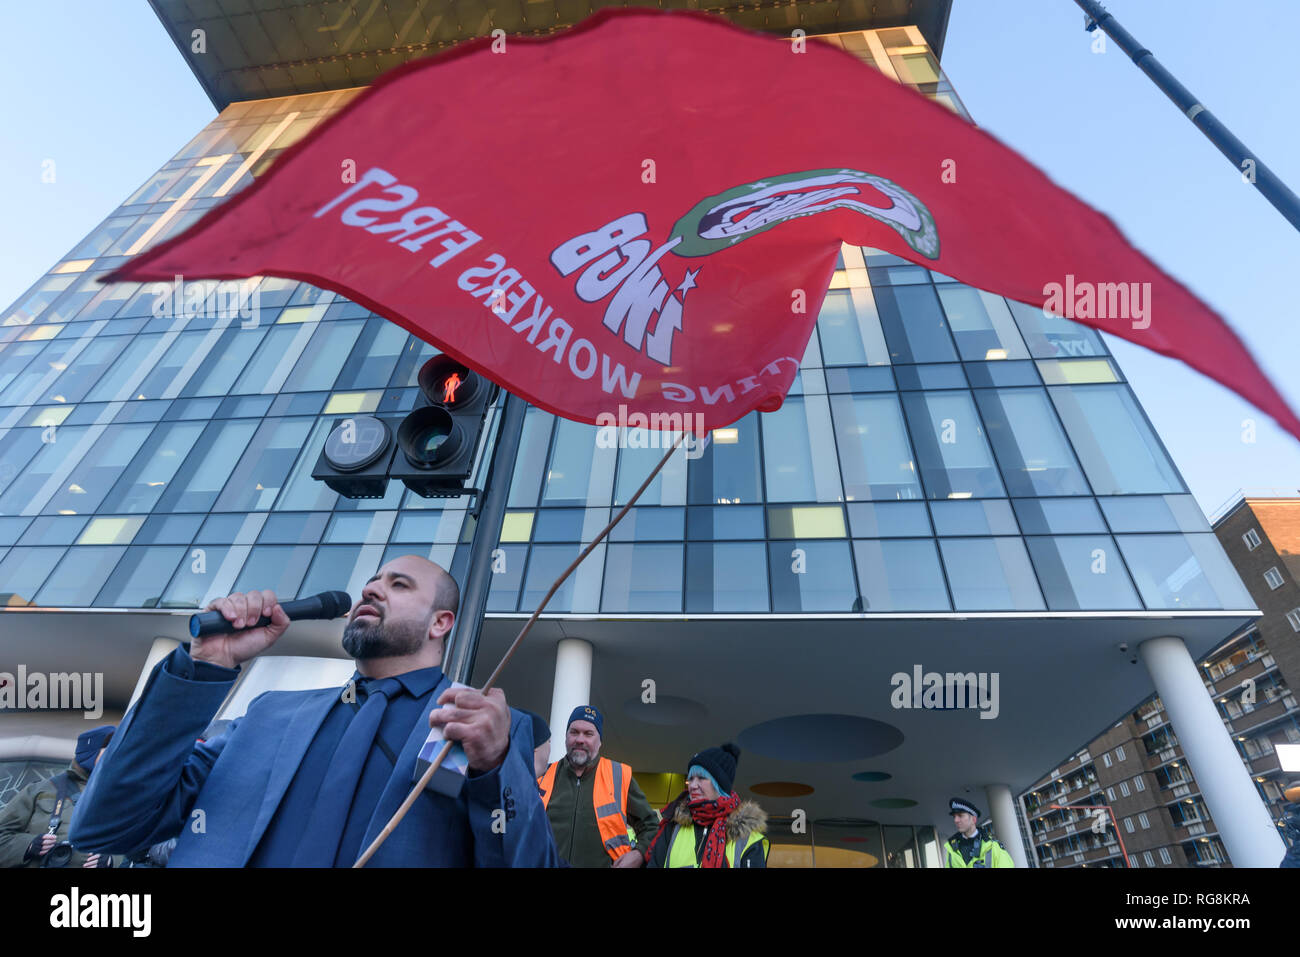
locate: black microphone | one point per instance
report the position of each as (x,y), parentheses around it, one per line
(328,604)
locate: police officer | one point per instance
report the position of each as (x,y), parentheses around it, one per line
(972,846)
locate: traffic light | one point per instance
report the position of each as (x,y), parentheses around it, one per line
(357,455)
(437,441)
(431,450)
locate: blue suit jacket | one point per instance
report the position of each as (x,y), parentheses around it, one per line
(153,782)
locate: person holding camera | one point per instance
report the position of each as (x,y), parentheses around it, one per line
(34,824)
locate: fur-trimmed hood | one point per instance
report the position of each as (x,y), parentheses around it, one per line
(749,818)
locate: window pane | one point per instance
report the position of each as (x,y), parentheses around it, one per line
(331,569)
(1051,337)
(982,324)
(200,479)
(125,368)
(888,520)
(642,453)
(22,490)
(901,575)
(79,576)
(544,566)
(372,361)
(569,475)
(990,574)
(223,363)
(728,471)
(278,567)
(1120,453)
(264,362)
(85,370)
(1183,571)
(507,575)
(1030,446)
(649,525)
(812,576)
(145,480)
(991,517)
(23,571)
(1082,572)
(189,586)
(261,472)
(301,491)
(837,325)
(323,357)
(875,458)
(643,578)
(724,521)
(790,434)
(91,479)
(138,579)
(1059,516)
(914,325)
(726,577)
(949,440)
(162,375)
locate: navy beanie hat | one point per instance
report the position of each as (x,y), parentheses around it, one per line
(585,712)
(89,743)
(721,763)
(541,730)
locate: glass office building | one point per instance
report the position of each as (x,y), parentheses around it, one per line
(955,481)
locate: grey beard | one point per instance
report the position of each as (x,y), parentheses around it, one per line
(384,639)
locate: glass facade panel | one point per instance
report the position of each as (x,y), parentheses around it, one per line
(545,564)
(728,470)
(915,327)
(643,578)
(323,358)
(199,481)
(981,324)
(875,458)
(23,571)
(1183,572)
(837,326)
(812,576)
(888,520)
(793,473)
(142,483)
(990,574)
(1051,337)
(725,577)
(1061,516)
(330,569)
(900,575)
(262,470)
(21,493)
(78,578)
(280,568)
(1029,443)
(568,479)
(99,468)
(1082,572)
(139,578)
(1120,453)
(950,445)
(507,576)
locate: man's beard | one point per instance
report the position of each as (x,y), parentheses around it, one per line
(579,758)
(383,639)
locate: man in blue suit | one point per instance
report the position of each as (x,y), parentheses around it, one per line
(309,778)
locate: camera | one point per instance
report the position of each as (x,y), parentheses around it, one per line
(59,855)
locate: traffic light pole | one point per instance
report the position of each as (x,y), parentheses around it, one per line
(1248,164)
(487,534)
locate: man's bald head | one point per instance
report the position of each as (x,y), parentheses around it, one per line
(443,588)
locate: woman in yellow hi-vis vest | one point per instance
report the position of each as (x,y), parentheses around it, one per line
(971,847)
(708,825)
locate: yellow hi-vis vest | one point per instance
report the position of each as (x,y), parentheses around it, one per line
(609,795)
(682,851)
(992,854)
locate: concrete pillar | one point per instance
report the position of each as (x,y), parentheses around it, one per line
(572,688)
(1005,827)
(1249,835)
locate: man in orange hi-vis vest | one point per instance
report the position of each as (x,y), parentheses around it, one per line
(595,808)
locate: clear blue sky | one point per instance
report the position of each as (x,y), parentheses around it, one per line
(109,99)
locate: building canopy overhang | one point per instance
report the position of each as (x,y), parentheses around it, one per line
(1062,679)
(254,49)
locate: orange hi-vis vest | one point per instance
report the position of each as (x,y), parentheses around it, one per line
(609,797)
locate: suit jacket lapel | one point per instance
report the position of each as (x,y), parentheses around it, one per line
(299,732)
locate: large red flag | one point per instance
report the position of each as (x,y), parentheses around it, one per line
(645,210)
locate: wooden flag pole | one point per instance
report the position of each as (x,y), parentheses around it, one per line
(505,659)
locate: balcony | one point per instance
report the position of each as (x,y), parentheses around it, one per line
(1263,713)
(1265,764)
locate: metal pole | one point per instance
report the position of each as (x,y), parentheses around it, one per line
(1265,180)
(487,534)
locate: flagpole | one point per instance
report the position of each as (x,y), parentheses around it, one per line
(1264,179)
(514,646)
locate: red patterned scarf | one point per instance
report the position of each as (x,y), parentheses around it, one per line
(713,815)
